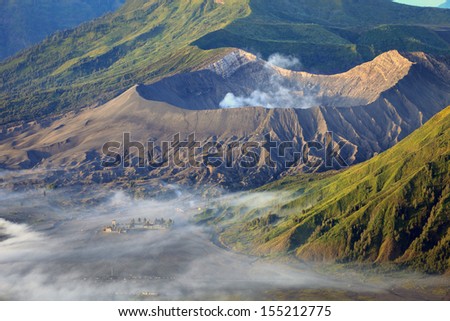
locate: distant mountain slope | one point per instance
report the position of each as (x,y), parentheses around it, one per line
(242,75)
(393,208)
(146,40)
(25,22)
(142,41)
(349,31)
(369,109)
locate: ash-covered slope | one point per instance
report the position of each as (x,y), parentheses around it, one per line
(146,40)
(142,41)
(243,74)
(368,109)
(393,208)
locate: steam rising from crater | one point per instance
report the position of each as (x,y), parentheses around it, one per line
(285,62)
(277,92)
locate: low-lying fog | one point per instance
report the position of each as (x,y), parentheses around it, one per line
(52,247)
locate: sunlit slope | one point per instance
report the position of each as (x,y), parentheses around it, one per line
(143,40)
(393,208)
(334,35)
(147,39)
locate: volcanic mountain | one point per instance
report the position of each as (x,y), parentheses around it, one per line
(147,40)
(391,209)
(368,109)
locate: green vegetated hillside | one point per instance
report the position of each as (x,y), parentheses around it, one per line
(26,22)
(148,39)
(142,41)
(333,35)
(393,208)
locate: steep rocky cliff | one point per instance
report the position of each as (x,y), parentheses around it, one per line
(367,109)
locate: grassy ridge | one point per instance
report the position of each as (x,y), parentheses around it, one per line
(393,208)
(332,36)
(143,40)
(148,39)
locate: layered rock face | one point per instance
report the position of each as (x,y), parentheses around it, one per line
(367,109)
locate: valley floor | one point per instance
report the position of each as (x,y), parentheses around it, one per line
(53,248)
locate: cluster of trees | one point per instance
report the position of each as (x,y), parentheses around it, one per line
(264,221)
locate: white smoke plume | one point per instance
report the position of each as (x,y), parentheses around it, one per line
(277,93)
(286,62)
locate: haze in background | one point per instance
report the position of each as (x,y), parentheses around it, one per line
(422,3)
(24,23)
